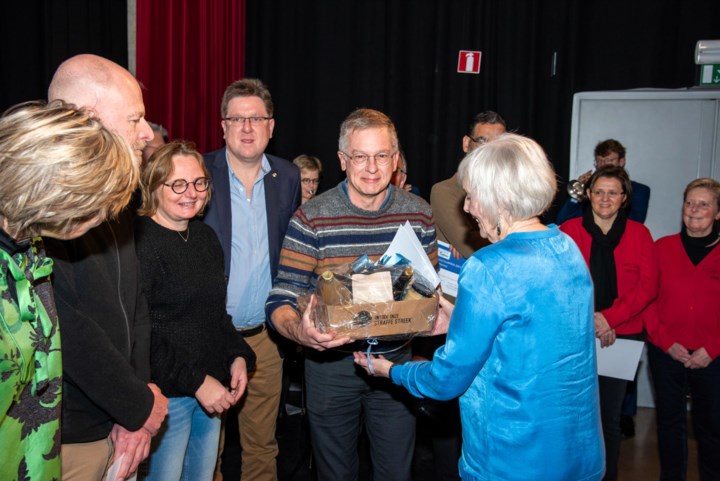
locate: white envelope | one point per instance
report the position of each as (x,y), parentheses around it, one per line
(407,244)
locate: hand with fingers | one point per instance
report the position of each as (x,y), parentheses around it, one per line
(213,396)
(130,446)
(603,331)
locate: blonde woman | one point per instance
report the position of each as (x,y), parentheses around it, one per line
(61,173)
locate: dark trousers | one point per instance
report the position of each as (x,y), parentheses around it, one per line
(612,392)
(447,441)
(341,397)
(672,382)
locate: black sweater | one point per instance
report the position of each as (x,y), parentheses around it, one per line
(184,282)
(105,332)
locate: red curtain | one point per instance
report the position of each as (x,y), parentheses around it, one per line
(188,51)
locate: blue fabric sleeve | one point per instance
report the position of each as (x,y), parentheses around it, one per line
(475,323)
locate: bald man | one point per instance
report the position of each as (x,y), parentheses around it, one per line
(109,406)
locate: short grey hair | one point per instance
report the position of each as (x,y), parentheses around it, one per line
(362,119)
(160,130)
(510,177)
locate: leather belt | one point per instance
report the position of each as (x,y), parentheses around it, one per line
(253,331)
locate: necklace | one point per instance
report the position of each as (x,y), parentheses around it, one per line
(187,236)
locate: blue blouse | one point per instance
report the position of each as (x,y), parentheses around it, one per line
(520,353)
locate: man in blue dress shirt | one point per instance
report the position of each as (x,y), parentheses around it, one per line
(254,195)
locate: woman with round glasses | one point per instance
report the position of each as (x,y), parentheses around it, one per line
(310,171)
(621,257)
(197,357)
(684,333)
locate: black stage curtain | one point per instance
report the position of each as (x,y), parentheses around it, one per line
(323,58)
(36,36)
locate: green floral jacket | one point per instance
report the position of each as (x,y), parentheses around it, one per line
(30,367)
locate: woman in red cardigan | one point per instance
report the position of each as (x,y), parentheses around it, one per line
(684,333)
(621,258)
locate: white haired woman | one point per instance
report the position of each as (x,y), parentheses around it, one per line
(61,173)
(520,346)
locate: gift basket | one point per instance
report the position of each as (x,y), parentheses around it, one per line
(388,299)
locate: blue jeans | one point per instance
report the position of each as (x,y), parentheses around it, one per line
(186,447)
(340,399)
(672,382)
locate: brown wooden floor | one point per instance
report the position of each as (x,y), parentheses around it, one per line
(639,455)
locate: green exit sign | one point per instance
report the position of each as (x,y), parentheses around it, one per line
(710,75)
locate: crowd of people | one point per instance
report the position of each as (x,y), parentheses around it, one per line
(175,281)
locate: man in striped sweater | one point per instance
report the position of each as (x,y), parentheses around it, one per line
(359,216)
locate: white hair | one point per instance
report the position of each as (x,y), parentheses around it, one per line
(510,177)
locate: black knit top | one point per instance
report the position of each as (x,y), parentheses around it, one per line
(184,282)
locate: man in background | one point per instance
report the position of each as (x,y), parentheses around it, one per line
(254,196)
(447,198)
(611,152)
(160,138)
(108,404)
(399,178)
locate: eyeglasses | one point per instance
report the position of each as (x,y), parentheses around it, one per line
(601,193)
(608,160)
(181,185)
(480,140)
(700,205)
(241,120)
(360,159)
(310,181)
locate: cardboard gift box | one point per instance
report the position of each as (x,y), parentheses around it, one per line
(381,319)
(394,318)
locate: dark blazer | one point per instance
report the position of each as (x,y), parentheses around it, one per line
(282,198)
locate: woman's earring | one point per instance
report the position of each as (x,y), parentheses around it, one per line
(497,229)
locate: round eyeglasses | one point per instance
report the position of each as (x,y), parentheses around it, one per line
(179,186)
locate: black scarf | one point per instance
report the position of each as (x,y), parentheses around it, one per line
(698,247)
(602,257)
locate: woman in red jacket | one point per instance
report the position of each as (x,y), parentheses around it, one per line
(684,334)
(621,258)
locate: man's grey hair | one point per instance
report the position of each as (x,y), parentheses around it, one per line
(159,129)
(362,119)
